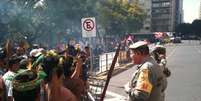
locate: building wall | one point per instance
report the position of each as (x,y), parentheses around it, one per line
(162,15)
(166,14)
(146,5)
(200,9)
(179,11)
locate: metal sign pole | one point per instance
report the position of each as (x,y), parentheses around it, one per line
(91,56)
(89,31)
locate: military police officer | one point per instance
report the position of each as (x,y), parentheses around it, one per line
(159,54)
(148,80)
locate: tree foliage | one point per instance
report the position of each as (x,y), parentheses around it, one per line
(188,29)
(196,26)
(44,19)
(184,28)
(119,17)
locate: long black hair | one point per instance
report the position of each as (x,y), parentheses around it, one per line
(51,65)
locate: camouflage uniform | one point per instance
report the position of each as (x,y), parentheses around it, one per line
(166,73)
(159,54)
(148,82)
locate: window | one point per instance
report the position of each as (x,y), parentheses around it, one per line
(165,4)
(161,4)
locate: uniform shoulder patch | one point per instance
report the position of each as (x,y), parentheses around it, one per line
(143,83)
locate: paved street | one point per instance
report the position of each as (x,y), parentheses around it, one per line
(184,61)
(185,64)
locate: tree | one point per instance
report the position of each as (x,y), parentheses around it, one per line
(196,29)
(44,19)
(17,18)
(184,29)
(119,17)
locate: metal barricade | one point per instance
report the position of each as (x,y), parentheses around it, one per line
(96,88)
(102,62)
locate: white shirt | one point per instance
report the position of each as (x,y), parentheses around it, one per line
(8,77)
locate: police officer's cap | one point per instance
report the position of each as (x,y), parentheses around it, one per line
(138,44)
(159,49)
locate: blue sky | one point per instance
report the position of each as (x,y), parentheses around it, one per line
(191,10)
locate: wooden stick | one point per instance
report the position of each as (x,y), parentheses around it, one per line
(110,72)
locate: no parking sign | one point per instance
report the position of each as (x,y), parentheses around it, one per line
(88,27)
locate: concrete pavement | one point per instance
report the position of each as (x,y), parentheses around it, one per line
(121,68)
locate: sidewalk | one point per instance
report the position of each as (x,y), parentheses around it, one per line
(117,70)
(121,68)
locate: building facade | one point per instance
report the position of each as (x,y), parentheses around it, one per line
(166,14)
(178,12)
(146,5)
(200,11)
(162,15)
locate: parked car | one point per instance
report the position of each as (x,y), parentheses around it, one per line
(175,39)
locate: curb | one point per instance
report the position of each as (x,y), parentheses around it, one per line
(121,69)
